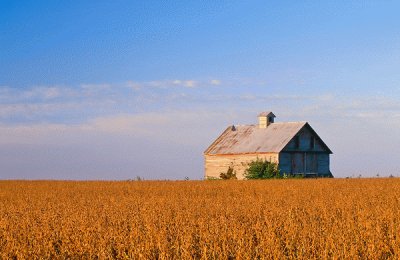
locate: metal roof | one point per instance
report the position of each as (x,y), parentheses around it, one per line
(252,139)
(266,114)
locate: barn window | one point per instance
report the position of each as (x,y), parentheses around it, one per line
(297,141)
(271,119)
(312,142)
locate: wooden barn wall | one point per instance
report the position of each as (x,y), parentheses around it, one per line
(305,158)
(215,164)
(323,163)
(285,165)
(301,162)
(305,136)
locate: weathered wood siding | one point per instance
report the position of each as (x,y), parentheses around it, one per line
(215,164)
(305,143)
(285,160)
(323,164)
(306,155)
(304,162)
(311,163)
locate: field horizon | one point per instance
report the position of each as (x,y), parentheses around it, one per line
(139,178)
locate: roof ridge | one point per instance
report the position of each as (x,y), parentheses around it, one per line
(292,122)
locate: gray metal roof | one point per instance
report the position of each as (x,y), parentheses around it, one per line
(252,139)
(266,114)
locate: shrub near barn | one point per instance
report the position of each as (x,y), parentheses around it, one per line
(230,174)
(262,169)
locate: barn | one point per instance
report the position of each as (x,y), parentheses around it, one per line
(294,146)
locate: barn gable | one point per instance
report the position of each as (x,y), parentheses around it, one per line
(306,153)
(306,139)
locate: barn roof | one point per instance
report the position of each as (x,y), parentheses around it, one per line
(267,113)
(242,139)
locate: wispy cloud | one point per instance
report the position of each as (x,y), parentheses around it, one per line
(90,100)
(215,82)
(185,83)
(87,101)
(117,120)
(9,95)
(110,147)
(173,83)
(183,127)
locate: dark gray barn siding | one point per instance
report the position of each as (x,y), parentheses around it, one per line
(304,155)
(323,163)
(297,163)
(304,162)
(305,143)
(311,163)
(285,163)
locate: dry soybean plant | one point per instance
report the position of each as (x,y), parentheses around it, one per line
(302,219)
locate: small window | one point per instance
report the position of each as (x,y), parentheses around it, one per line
(297,141)
(312,142)
(271,119)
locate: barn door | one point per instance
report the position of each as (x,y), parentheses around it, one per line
(311,163)
(297,163)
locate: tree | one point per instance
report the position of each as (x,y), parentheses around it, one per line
(262,169)
(230,174)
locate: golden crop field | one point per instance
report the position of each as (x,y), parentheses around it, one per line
(302,219)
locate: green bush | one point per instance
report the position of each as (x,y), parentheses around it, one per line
(262,169)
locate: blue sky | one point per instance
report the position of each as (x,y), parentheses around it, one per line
(119,89)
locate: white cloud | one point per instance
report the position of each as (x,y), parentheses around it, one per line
(52,93)
(111,147)
(183,83)
(134,85)
(95,87)
(9,95)
(163,114)
(179,126)
(43,92)
(177,82)
(165,84)
(96,100)
(215,82)
(190,83)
